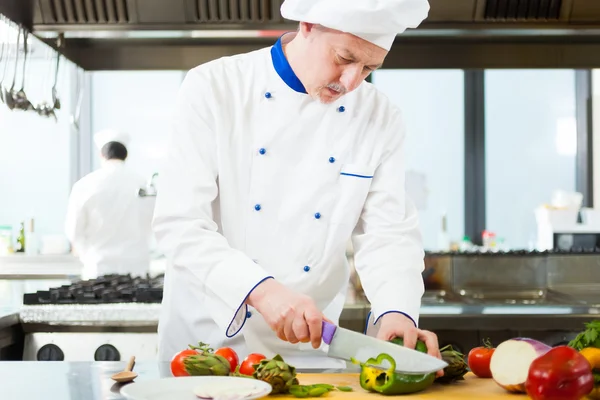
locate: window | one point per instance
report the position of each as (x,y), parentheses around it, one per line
(432,102)
(139,103)
(531,145)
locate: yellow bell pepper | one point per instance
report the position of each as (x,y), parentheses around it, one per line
(592,354)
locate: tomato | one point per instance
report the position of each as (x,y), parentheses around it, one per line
(479,360)
(177,367)
(230,355)
(246,366)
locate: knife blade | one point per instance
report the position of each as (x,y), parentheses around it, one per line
(347,345)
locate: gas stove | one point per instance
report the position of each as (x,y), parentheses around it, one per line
(103,319)
(106,289)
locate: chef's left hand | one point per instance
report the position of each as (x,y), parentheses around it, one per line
(394,325)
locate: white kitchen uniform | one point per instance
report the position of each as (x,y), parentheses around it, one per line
(107,222)
(263,181)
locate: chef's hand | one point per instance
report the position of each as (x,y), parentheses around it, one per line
(394,325)
(294,316)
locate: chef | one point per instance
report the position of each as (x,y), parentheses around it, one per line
(277,159)
(107,223)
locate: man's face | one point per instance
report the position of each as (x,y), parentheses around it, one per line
(336,62)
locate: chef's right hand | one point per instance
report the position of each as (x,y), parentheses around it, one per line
(294,316)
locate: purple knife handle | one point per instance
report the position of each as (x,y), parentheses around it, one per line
(328,329)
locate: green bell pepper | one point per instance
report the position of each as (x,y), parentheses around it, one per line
(389,382)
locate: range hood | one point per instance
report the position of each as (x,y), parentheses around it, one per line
(87,18)
(179,34)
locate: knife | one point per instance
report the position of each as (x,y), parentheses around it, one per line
(347,345)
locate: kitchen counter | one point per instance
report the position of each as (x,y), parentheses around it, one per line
(23,266)
(91,381)
(24,380)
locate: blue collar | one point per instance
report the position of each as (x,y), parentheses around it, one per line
(284,69)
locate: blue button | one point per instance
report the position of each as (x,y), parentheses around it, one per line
(262,151)
(306,268)
(248,314)
(257,207)
(317,215)
(331,160)
(268,95)
(341,108)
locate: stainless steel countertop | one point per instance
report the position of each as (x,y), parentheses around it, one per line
(136,314)
(31,380)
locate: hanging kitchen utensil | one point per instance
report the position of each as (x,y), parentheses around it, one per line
(22,103)
(3,57)
(55,99)
(80,88)
(9,93)
(46,108)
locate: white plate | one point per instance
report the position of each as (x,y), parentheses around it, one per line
(184,388)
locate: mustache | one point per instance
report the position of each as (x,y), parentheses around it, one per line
(337,87)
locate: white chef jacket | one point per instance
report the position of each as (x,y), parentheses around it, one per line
(263,181)
(108,223)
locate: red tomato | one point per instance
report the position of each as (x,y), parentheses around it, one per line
(177,367)
(479,360)
(246,366)
(230,355)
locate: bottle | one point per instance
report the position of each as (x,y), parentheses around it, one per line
(31,239)
(21,239)
(443,238)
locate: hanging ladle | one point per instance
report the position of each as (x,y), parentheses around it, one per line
(9,93)
(2,57)
(22,103)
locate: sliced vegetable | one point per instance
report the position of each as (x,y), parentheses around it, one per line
(316,390)
(561,373)
(479,359)
(511,360)
(388,381)
(457,367)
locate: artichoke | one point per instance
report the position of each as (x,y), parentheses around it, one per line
(457,367)
(206,362)
(277,373)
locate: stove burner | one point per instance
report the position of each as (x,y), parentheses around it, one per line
(105,289)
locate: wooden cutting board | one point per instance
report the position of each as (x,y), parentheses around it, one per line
(471,388)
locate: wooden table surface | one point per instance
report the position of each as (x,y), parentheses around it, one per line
(471,388)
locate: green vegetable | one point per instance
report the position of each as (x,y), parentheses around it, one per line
(457,367)
(421,346)
(389,382)
(316,390)
(590,337)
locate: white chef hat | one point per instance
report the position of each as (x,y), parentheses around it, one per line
(376,21)
(109,135)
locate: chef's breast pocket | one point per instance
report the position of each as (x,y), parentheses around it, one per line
(352,188)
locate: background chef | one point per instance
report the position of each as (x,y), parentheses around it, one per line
(277,158)
(107,223)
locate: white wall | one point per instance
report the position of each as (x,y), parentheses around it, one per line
(35,152)
(596,137)
(531,143)
(432,102)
